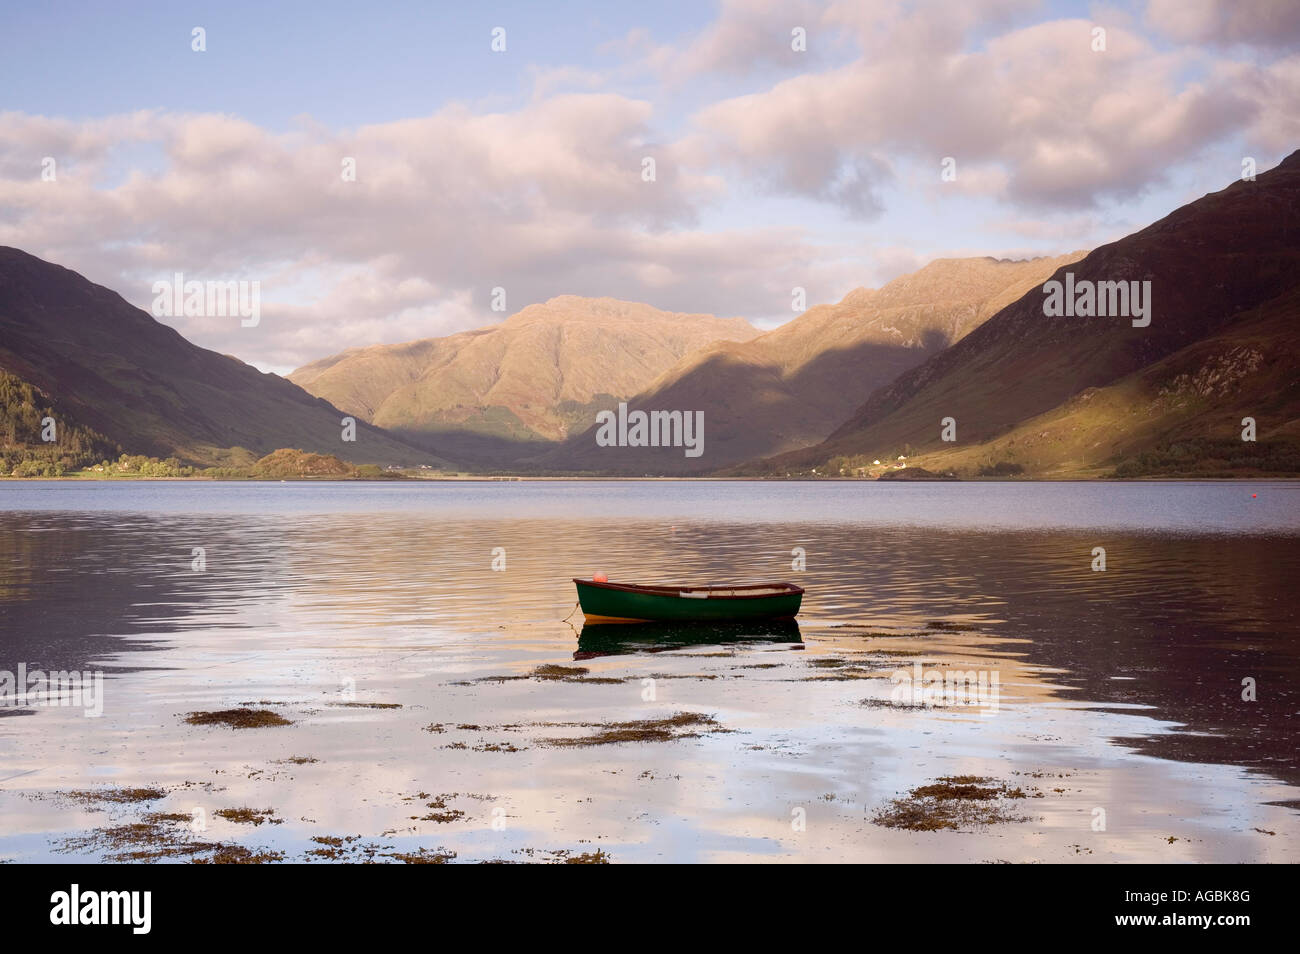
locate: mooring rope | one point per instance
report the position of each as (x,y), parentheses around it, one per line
(572,611)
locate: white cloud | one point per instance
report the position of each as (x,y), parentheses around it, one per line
(1032,114)
(1264,23)
(545,200)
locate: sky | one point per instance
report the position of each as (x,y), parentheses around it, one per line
(524,169)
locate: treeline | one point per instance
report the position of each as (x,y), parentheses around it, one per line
(288,463)
(28,421)
(137,465)
(1214,457)
(283,464)
(39,440)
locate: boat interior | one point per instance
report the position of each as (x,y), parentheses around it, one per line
(735,590)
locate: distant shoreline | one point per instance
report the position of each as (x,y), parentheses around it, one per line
(483,479)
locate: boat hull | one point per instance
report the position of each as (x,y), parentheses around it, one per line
(613,639)
(612,603)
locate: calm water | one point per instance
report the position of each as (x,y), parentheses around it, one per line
(1119,690)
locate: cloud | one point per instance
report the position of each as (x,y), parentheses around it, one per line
(1275,112)
(1263,23)
(749,35)
(746,38)
(548,199)
(1038,115)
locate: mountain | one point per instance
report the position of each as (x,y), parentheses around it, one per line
(498,392)
(117,372)
(1051,395)
(793,386)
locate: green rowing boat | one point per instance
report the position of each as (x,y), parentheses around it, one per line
(627,603)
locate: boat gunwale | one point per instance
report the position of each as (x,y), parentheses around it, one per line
(786,589)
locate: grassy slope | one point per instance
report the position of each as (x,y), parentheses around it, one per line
(519,381)
(1194,401)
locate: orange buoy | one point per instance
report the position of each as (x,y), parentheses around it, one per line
(599,578)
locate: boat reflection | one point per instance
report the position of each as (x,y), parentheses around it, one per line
(612,639)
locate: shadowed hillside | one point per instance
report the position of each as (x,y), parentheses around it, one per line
(792,386)
(118,372)
(1058,396)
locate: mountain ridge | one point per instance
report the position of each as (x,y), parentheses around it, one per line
(793,385)
(142,384)
(525,380)
(1215,264)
